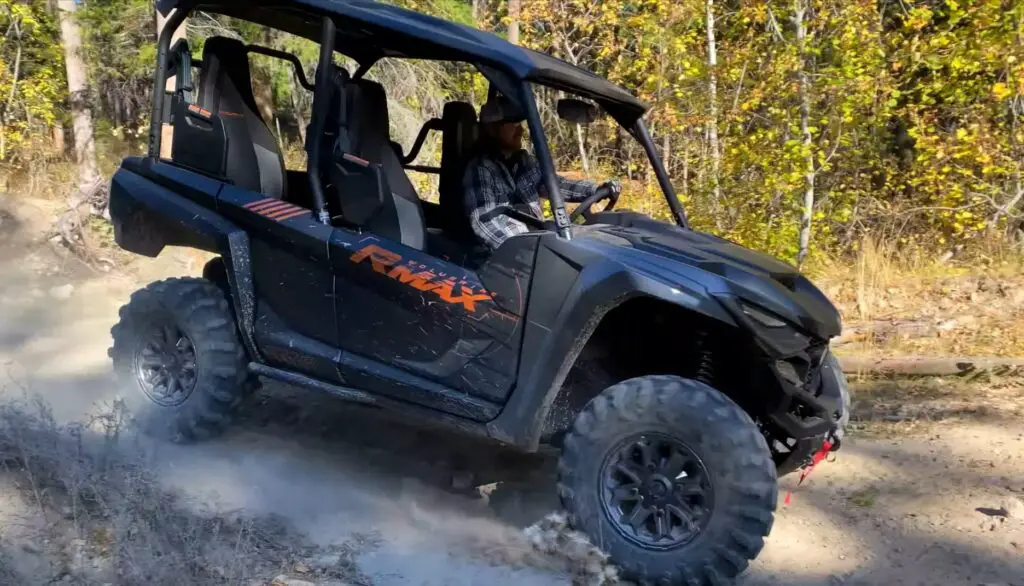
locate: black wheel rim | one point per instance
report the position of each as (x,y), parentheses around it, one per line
(165,365)
(656,491)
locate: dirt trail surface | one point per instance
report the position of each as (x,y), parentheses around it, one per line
(933,495)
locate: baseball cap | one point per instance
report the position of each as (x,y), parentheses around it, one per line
(500,109)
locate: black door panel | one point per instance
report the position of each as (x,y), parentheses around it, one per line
(403,307)
(286,348)
(291,270)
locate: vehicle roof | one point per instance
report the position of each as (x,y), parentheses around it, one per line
(368,31)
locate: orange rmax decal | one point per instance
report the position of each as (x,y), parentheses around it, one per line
(419,281)
(385,262)
(380,259)
(467,298)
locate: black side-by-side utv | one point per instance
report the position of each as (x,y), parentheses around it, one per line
(678,374)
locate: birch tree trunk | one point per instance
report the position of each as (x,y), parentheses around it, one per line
(716,153)
(686,164)
(78,94)
(810,173)
(583,149)
(514,10)
(1016,149)
(666,153)
(167,131)
(9,105)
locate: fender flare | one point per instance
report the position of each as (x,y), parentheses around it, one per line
(147,217)
(599,288)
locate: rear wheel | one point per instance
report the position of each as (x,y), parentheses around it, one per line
(670,478)
(176,353)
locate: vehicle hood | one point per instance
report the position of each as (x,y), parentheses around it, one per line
(725,269)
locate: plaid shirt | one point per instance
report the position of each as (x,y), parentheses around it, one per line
(518,182)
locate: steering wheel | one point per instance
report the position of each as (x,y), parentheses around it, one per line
(608,191)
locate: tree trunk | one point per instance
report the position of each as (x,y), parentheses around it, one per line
(477,5)
(78,92)
(514,10)
(57,136)
(14,92)
(810,174)
(965,366)
(167,131)
(716,153)
(1016,149)
(686,163)
(666,153)
(583,149)
(297,110)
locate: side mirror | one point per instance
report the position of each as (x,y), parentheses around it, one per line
(576,111)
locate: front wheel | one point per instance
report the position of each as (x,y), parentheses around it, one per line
(671,478)
(177,354)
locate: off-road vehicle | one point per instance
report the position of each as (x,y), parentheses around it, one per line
(678,374)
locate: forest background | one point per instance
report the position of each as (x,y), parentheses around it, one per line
(809,129)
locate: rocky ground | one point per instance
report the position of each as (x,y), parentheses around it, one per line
(304,490)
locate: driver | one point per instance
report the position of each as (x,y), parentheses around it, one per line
(503,174)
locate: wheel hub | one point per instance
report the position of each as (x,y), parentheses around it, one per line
(165,365)
(659,487)
(656,491)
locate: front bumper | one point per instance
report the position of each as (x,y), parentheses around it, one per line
(817,406)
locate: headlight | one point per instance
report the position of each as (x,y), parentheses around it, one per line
(762,316)
(781,337)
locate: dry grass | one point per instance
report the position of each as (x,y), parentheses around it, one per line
(100,498)
(969,305)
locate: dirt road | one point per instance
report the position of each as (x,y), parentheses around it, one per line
(936,502)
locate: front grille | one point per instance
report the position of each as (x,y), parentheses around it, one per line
(803,370)
(812,378)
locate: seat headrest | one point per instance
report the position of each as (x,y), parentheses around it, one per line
(226,60)
(460,129)
(369,126)
(457,145)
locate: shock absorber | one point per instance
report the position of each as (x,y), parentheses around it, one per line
(705,360)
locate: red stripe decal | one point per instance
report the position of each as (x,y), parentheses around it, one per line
(260,202)
(274,205)
(295,214)
(275,214)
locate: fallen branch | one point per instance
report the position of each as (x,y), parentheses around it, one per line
(966,366)
(89,200)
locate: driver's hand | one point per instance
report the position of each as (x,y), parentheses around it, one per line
(613,186)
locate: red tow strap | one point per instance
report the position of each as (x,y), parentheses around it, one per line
(815,460)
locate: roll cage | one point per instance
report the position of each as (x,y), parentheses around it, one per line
(368,31)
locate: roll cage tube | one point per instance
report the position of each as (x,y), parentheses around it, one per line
(640,132)
(547,164)
(160,77)
(284,56)
(317,126)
